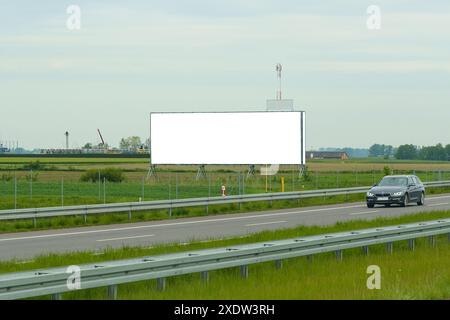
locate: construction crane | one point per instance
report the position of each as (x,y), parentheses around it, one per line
(103,141)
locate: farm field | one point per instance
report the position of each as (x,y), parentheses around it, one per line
(141,164)
(419,274)
(40,188)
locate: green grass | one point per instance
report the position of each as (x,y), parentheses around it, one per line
(422,274)
(55,192)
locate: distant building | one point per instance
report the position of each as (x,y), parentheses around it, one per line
(326,155)
(3,149)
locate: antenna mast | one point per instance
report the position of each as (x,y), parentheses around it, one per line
(278,69)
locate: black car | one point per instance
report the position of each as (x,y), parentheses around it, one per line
(400,190)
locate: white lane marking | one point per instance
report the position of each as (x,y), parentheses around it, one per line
(176,223)
(263,223)
(363,212)
(124,238)
(438,204)
(433,198)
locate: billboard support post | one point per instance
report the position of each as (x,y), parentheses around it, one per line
(251,171)
(151,171)
(201,172)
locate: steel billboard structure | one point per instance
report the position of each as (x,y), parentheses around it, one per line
(207,138)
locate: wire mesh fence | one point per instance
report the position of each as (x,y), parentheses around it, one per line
(21,190)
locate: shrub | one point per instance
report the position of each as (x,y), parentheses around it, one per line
(6,177)
(387,170)
(34,165)
(32,176)
(109,174)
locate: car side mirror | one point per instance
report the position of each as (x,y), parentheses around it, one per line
(410,185)
(375,185)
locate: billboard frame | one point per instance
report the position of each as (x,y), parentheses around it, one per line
(302,135)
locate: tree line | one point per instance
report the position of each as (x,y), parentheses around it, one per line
(438,152)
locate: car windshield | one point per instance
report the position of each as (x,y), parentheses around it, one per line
(393,182)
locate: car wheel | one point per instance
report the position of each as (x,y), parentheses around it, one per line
(387,205)
(405,201)
(421,201)
(370,205)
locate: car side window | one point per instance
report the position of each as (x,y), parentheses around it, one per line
(418,180)
(411,181)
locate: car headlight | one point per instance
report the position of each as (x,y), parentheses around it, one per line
(370,194)
(398,194)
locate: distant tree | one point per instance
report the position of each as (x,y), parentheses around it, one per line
(447,151)
(437,152)
(376,150)
(88,146)
(123,144)
(381,150)
(132,142)
(406,152)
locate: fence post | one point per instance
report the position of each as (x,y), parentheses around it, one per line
(432,241)
(337,179)
(244,271)
(112,292)
(339,255)
(31,184)
(161,284)
(390,247)
(104,190)
(411,244)
(57,296)
(99,186)
(34,218)
(239,189)
(176,185)
(366,250)
(143,189)
(15,191)
(62,191)
(205,276)
(278,264)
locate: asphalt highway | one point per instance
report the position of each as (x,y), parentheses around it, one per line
(26,245)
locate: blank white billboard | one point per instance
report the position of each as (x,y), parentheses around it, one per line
(228,138)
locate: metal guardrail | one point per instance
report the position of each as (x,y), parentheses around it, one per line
(110,274)
(85,210)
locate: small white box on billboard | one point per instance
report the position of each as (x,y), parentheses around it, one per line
(228,138)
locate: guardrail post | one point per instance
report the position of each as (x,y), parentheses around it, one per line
(205,276)
(411,244)
(161,284)
(129,213)
(390,247)
(432,241)
(170,211)
(85,214)
(279,264)
(244,271)
(339,255)
(57,296)
(112,292)
(365,250)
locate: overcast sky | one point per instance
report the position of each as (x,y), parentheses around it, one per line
(358,86)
